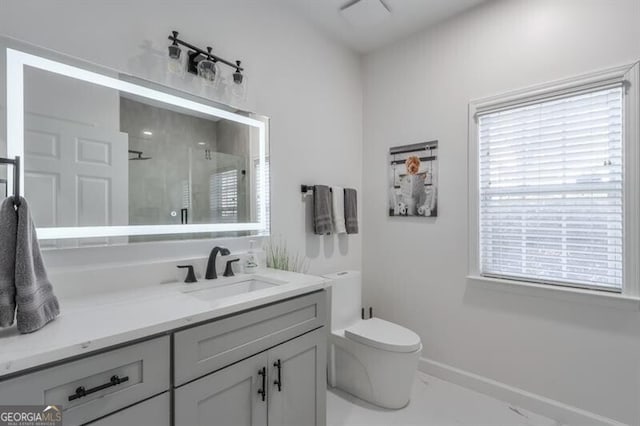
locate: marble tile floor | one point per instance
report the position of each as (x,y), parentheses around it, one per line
(434,402)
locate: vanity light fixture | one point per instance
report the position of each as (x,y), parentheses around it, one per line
(147,132)
(208,70)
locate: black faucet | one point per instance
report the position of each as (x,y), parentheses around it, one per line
(211,273)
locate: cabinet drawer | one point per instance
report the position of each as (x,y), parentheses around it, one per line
(152,412)
(145,366)
(209,347)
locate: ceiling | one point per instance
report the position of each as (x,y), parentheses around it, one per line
(405,18)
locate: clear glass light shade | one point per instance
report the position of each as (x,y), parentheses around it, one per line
(239,89)
(175,63)
(208,70)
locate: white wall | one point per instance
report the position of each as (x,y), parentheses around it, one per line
(308,85)
(577,353)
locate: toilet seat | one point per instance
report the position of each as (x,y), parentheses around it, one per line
(385,335)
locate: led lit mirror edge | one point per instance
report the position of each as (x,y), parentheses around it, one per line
(18,54)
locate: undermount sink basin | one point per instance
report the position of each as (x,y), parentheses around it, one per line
(227,290)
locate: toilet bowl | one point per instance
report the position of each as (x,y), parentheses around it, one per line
(373,359)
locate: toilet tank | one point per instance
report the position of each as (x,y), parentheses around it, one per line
(346,298)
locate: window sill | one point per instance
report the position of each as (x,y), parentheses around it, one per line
(594,297)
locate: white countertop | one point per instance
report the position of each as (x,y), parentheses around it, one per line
(97,321)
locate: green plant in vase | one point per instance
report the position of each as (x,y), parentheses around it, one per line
(279,257)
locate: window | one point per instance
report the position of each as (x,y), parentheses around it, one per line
(549,186)
(223,196)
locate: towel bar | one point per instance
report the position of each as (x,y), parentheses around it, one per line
(309,188)
(15,162)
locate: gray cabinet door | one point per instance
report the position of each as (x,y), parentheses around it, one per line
(227,397)
(300,400)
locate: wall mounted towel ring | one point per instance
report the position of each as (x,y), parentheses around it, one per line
(16,177)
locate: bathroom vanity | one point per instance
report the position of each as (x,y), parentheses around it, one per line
(182,354)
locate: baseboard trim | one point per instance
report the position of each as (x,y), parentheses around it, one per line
(565,414)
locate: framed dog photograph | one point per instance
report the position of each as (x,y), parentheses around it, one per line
(413,180)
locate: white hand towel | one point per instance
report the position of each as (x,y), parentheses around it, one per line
(337,203)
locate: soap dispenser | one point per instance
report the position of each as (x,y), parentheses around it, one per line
(251,260)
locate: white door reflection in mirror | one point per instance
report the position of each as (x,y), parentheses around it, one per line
(75,175)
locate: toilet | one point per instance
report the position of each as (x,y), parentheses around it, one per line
(372,359)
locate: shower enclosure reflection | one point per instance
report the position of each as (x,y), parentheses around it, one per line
(184,169)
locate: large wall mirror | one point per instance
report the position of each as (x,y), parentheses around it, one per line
(110,159)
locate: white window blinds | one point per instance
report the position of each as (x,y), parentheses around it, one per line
(551,191)
(223,196)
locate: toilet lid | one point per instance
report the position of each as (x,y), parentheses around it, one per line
(385,335)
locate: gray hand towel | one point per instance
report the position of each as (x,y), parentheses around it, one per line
(35,301)
(8,232)
(322,223)
(351,210)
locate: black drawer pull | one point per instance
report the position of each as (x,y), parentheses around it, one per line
(82,392)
